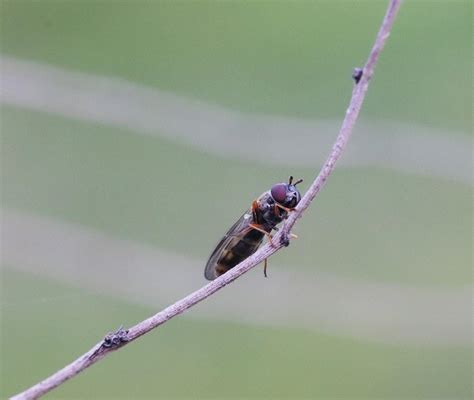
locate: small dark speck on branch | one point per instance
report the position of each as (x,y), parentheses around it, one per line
(357,74)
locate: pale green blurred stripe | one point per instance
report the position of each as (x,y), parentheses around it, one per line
(223,132)
(380,312)
(368,223)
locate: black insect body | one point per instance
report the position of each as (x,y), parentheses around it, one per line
(246,235)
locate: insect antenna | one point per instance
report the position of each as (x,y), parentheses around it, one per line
(290,181)
(298,181)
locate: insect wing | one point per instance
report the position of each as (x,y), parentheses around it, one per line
(241,227)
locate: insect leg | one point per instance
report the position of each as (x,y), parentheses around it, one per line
(283,207)
(276,210)
(265,265)
(255,211)
(267,234)
(258,228)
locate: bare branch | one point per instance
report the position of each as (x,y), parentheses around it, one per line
(122,337)
(358,94)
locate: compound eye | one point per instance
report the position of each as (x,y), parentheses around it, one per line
(278,192)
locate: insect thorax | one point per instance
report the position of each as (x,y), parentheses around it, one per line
(270,218)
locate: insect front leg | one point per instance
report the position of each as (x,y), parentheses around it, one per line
(279,206)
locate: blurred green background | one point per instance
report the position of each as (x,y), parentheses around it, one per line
(86,194)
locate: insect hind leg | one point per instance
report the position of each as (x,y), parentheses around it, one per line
(270,237)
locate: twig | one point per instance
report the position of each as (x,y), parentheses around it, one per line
(362,78)
(114,341)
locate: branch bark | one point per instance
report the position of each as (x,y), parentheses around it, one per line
(115,341)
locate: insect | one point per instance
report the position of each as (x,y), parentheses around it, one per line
(246,235)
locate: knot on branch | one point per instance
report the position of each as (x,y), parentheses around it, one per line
(115,339)
(357,74)
(284,239)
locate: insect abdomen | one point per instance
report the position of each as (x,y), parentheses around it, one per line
(238,250)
